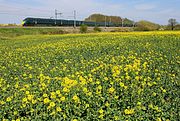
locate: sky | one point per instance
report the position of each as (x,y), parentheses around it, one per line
(158,11)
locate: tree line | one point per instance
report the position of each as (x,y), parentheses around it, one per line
(142,25)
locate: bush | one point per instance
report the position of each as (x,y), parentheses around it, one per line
(11,25)
(54,32)
(122,30)
(83,28)
(146,26)
(177,27)
(97,29)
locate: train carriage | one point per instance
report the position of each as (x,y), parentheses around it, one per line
(62,22)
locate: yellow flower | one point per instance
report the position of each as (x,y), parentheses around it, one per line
(32,110)
(30,76)
(99,87)
(8,99)
(75,98)
(69,83)
(129,111)
(74,120)
(53,95)
(164,90)
(18,119)
(27,92)
(125,87)
(158,78)
(85,90)
(89,93)
(98,82)
(25,99)
(111,90)
(34,101)
(66,89)
(154,94)
(53,113)
(121,84)
(116,97)
(58,92)
(128,77)
(43,85)
(87,105)
(158,119)
(46,100)
(150,106)
(137,78)
(105,78)
(45,95)
(116,118)
(63,98)
(30,97)
(138,103)
(58,109)
(52,104)
(15,112)
(101,116)
(107,104)
(101,111)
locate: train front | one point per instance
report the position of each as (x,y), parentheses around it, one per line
(23,23)
(27,22)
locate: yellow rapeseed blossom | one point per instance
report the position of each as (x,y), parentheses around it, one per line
(74,120)
(8,99)
(65,89)
(58,92)
(45,95)
(158,119)
(111,90)
(25,100)
(129,111)
(75,98)
(18,119)
(81,76)
(27,92)
(53,95)
(58,109)
(30,97)
(46,100)
(63,98)
(52,104)
(101,111)
(121,84)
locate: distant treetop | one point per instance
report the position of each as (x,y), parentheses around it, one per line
(103,18)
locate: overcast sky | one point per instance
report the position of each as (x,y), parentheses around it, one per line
(159,11)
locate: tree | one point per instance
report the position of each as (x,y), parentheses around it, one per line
(114,19)
(172,23)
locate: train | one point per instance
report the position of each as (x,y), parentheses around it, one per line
(61,22)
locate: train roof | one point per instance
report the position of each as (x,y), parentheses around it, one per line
(29,18)
(33,18)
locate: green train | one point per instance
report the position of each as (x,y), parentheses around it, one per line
(62,22)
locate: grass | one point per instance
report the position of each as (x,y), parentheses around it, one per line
(13,32)
(101,76)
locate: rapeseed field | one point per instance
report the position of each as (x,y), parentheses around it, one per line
(104,76)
